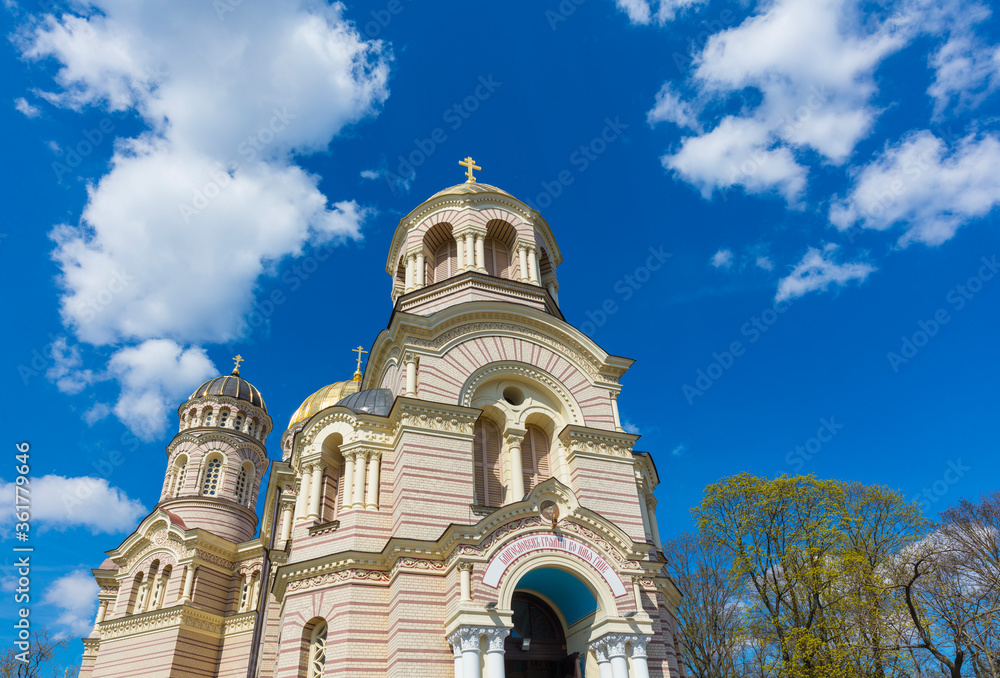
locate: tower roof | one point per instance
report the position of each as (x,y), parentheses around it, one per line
(470,188)
(232,385)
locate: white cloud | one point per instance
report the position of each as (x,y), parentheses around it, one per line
(155,376)
(722,259)
(370,174)
(679,450)
(22,106)
(670,107)
(764,262)
(75,595)
(630,428)
(96,413)
(174,238)
(922,186)
(966,72)
(817,271)
(738,152)
(66,371)
(59,503)
(642,11)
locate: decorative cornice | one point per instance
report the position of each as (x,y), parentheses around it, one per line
(582,440)
(324,528)
(157,620)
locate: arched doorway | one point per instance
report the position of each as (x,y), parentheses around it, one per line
(536,646)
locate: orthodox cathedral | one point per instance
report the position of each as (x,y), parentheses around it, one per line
(469,506)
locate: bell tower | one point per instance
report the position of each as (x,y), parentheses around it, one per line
(216,460)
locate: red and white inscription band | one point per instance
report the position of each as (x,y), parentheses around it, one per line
(545,542)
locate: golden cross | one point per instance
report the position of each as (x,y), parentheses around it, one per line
(471,164)
(359,350)
(238,360)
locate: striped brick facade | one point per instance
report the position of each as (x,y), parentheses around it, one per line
(374,556)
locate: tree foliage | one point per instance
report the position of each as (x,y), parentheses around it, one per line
(798,577)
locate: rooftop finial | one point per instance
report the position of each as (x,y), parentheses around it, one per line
(236,369)
(471,165)
(357,373)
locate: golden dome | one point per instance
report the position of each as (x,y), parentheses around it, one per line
(469,188)
(324,398)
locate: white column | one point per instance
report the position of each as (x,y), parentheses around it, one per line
(420,269)
(615,644)
(371,498)
(536,268)
(102,609)
(522,259)
(494,651)
(348,479)
(456,651)
(639,665)
(460,247)
(244,602)
(647,530)
(188,584)
(287,509)
(532,266)
(358,496)
(315,491)
(465,581)
(603,663)
(614,411)
(411,377)
(651,510)
(516,470)
(302,500)
(469,638)
(480,253)
(409,274)
(470,252)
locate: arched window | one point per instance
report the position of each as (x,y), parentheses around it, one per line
(208,416)
(178,476)
(317,651)
(161,588)
(212,480)
(497,258)
(239,421)
(535,457)
(223,417)
(138,595)
(486,446)
(244,483)
(445,261)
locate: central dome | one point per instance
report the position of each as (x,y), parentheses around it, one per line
(470,188)
(233,386)
(324,398)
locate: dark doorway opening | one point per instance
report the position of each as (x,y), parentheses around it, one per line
(536,646)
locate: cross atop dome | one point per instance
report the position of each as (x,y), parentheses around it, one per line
(471,165)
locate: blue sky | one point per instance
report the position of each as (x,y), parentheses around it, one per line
(818,178)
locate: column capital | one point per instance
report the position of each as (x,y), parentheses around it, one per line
(514,436)
(638,642)
(615,644)
(495,637)
(464,566)
(467,637)
(600,651)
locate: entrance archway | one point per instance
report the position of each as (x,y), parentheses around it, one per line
(536,646)
(553,611)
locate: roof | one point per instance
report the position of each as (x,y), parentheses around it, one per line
(324,398)
(233,386)
(470,188)
(370,401)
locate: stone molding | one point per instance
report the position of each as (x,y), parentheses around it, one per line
(526,370)
(472,279)
(578,440)
(158,620)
